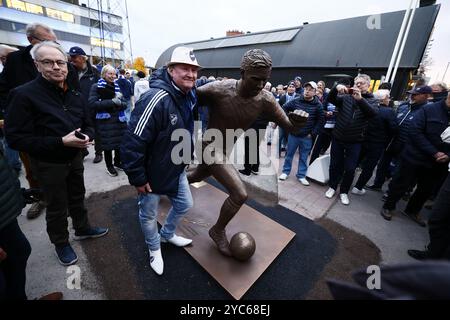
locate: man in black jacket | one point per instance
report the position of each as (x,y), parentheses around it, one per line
(424,158)
(87,76)
(354,112)
(20,69)
(380,131)
(45,119)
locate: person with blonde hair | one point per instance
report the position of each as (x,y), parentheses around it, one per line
(105,100)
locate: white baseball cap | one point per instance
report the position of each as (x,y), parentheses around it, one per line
(312,84)
(183,55)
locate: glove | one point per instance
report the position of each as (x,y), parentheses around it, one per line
(298,118)
(117,101)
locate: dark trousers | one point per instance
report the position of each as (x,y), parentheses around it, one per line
(97,146)
(439,223)
(251,157)
(13,268)
(343,162)
(406,175)
(373,152)
(322,143)
(63,188)
(383,171)
(109,157)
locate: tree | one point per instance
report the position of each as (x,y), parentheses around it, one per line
(139,64)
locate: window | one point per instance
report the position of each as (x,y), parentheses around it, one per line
(60,15)
(106,43)
(25,6)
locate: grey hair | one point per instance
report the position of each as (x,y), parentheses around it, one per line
(256,58)
(107,68)
(382,94)
(35,51)
(363,76)
(441,85)
(5,49)
(32,27)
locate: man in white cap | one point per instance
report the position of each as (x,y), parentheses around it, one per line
(147,148)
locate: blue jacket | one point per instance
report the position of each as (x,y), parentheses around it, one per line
(146,146)
(125,87)
(405,116)
(425,135)
(382,127)
(316,116)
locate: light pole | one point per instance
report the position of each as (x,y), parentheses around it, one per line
(443,77)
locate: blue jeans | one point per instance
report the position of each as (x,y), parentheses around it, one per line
(148,212)
(305,144)
(128,109)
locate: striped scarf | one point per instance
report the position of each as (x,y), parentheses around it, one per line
(102,84)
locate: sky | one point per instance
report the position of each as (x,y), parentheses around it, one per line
(157,25)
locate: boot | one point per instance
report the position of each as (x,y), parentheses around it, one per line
(220,238)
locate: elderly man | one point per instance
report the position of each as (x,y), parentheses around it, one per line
(19,70)
(236,104)
(424,158)
(147,147)
(48,120)
(87,76)
(354,111)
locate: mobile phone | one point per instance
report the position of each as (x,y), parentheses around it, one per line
(350,90)
(79,135)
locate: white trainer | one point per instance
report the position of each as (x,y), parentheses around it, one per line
(330,193)
(344,199)
(359,192)
(283,176)
(178,241)
(303,181)
(156,261)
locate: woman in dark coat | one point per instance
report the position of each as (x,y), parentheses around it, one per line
(105,101)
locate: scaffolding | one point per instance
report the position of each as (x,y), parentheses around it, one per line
(110,32)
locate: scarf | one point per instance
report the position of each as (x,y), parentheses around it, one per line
(105,91)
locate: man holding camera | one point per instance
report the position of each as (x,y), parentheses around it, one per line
(42,120)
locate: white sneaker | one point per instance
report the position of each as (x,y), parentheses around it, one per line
(283,176)
(156,261)
(303,181)
(177,241)
(359,192)
(330,193)
(344,199)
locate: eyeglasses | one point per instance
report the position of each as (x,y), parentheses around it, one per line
(50,63)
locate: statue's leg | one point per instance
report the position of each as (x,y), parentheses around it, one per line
(228,176)
(198,174)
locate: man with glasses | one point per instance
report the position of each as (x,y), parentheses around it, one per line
(20,69)
(48,120)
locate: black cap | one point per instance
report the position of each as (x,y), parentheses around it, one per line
(76,51)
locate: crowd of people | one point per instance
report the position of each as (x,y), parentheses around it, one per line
(55,105)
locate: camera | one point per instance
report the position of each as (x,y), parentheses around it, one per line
(350,91)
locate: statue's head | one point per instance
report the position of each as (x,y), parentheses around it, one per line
(256,67)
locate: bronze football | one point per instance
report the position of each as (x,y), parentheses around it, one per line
(242,246)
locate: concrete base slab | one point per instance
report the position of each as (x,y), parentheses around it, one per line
(234,276)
